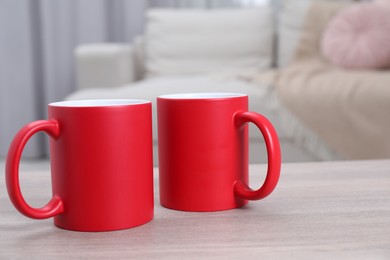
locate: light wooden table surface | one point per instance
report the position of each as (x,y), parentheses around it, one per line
(329,210)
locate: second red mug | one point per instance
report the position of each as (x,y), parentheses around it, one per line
(203,151)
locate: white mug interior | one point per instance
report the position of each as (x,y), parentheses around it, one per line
(202,95)
(99,103)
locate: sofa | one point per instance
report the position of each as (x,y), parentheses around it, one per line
(213,50)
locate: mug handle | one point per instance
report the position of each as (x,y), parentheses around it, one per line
(55,205)
(274,157)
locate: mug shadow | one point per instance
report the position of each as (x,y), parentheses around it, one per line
(246,207)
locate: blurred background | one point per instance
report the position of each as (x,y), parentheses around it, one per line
(325,104)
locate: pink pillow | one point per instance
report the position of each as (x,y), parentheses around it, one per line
(358,37)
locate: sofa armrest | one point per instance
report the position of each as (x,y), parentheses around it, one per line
(104,65)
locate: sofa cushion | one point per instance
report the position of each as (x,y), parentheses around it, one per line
(198,41)
(358,37)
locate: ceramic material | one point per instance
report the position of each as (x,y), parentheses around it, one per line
(203,151)
(101,162)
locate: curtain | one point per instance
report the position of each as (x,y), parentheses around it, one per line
(37,39)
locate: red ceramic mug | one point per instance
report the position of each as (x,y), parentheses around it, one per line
(203,151)
(101,164)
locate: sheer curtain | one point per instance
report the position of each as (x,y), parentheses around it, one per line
(37,39)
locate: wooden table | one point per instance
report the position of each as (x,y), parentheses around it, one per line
(329,210)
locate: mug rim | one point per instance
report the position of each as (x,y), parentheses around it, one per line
(99,103)
(202,95)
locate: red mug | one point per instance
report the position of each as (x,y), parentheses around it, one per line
(101,164)
(203,151)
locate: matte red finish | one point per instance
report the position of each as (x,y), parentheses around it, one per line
(101,163)
(203,152)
